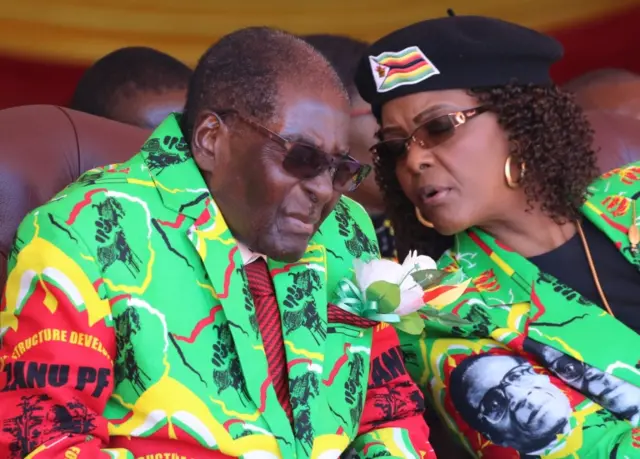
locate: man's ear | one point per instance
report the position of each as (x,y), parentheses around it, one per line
(208,134)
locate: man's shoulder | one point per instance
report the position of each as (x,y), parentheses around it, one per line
(349,212)
(347,234)
(354,210)
(348,230)
(120,179)
(102,190)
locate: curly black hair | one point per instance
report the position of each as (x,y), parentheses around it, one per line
(547,131)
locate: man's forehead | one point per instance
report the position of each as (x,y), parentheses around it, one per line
(550,354)
(299,110)
(305,95)
(323,123)
(485,374)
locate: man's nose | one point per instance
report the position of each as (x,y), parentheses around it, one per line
(320,188)
(517,394)
(593,374)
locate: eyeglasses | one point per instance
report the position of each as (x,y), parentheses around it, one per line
(568,369)
(429,134)
(306,161)
(495,403)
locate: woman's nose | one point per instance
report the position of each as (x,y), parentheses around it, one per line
(418,157)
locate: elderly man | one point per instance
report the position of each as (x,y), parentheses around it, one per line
(178,305)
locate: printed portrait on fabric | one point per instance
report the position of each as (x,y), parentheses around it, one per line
(616,395)
(504,398)
(506,405)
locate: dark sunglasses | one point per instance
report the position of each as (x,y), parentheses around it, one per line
(496,402)
(306,161)
(428,134)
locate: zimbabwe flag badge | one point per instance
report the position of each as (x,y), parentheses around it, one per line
(393,69)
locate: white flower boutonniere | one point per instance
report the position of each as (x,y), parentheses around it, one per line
(387,291)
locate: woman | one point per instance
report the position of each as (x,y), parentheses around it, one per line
(483,158)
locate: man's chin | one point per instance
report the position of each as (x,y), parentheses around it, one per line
(289,251)
(542,436)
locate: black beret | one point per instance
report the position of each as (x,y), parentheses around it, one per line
(455,52)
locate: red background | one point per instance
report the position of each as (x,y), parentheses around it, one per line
(608,42)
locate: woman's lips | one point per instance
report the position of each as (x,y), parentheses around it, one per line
(435,195)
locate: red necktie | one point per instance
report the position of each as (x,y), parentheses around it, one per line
(268,315)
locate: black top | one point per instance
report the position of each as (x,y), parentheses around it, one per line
(620,280)
(386,240)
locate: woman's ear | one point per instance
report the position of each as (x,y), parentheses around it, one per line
(208,133)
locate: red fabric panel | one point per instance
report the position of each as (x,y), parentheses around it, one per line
(608,42)
(29,82)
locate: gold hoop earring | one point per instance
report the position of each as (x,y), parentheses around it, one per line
(507,173)
(423,221)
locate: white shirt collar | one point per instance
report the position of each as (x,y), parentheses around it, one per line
(247,255)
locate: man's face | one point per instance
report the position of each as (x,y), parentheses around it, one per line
(614,394)
(362,136)
(267,208)
(622,97)
(147,109)
(517,407)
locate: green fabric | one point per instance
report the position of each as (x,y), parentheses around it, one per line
(186,336)
(514,306)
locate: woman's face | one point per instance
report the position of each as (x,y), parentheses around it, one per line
(458,183)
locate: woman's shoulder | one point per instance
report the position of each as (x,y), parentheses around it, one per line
(447,261)
(619,180)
